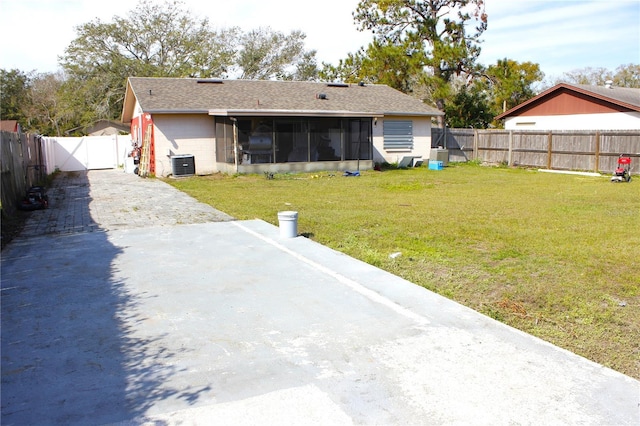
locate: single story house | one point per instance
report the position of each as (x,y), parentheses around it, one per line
(101,128)
(253,126)
(577,107)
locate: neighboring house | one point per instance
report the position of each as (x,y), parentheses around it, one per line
(577,107)
(101,128)
(10,126)
(250,126)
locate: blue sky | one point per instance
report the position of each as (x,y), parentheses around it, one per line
(560,35)
(563,35)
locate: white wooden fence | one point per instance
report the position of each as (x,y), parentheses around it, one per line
(71,154)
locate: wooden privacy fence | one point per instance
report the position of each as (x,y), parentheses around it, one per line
(22,166)
(561,150)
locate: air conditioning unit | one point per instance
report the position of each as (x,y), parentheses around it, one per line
(183,165)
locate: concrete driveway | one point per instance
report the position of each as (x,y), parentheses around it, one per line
(127,302)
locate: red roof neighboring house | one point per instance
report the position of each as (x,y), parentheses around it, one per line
(577,107)
(10,126)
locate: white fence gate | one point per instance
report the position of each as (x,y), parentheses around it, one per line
(86,153)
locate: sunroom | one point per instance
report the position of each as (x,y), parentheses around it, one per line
(248,144)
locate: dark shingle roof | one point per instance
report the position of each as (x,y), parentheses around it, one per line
(190,95)
(622,95)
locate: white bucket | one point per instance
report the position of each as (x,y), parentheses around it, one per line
(288,224)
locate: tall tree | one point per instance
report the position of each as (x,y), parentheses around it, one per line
(348,70)
(511,83)
(14,95)
(623,76)
(156,40)
(397,65)
(588,75)
(265,54)
(627,76)
(469,107)
(306,69)
(47,110)
(34,100)
(166,40)
(439,27)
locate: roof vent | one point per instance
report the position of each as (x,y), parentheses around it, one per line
(608,84)
(337,85)
(321,96)
(210,80)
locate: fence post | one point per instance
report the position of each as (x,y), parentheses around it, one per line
(445,136)
(597,165)
(509,157)
(475,144)
(549,149)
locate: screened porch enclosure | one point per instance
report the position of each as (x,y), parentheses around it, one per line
(271,140)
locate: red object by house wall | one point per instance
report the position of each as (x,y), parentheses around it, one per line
(142,133)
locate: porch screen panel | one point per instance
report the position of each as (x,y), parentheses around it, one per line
(358,139)
(398,134)
(292,140)
(326,139)
(285,136)
(224,140)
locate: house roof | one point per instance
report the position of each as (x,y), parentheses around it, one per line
(621,97)
(260,97)
(9,125)
(106,127)
(101,128)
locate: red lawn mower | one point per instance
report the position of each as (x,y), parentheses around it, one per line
(623,171)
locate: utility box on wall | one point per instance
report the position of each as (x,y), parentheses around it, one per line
(183,165)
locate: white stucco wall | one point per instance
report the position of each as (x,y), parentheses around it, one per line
(421,140)
(184,134)
(607,121)
(195,135)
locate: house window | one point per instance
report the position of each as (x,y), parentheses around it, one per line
(398,135)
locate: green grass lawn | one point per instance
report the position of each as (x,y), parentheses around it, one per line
(555,255)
